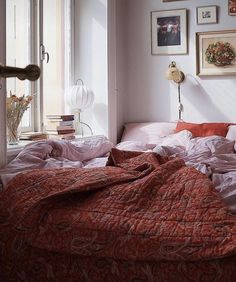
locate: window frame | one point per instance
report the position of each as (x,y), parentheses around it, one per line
(36,122)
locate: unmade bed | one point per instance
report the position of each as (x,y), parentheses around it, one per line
(159,209)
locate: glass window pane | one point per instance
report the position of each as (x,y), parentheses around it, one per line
(56,39)
(18,47)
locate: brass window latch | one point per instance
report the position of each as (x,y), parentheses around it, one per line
(31,72)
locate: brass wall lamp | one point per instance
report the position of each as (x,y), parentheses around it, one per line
(176,75)
(31,72)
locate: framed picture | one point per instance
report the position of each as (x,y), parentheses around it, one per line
(169,32)
(216,52)
(171,0)
(207,15)
(232,7)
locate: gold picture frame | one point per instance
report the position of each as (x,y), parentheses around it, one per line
(216,53)
(169,32)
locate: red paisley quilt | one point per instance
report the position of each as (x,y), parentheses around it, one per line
(142,218)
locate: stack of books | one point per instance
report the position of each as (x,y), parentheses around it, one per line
(60,126)
(33,136)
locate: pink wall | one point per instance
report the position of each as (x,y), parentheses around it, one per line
(146,94)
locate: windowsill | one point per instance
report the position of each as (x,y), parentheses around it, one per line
(20,145)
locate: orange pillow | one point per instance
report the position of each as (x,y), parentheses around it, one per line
(203,129)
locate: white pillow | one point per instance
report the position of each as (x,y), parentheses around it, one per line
(134,146)
(177,139)
(147,132)
(231,134)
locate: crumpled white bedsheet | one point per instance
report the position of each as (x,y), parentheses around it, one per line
(214,156)
(86,152)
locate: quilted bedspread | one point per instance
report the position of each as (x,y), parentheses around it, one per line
(142,210)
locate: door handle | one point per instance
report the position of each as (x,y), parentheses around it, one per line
(31,72)
(43,54)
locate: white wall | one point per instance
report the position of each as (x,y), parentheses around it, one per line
(121,80)
(91,58)
(148,96)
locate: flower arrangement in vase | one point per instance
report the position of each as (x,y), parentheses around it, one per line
(15,108)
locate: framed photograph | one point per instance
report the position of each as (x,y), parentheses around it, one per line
(216,52)
(207,15)
(232,7)
(169,32)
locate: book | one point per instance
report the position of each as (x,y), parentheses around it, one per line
(64,127)
(66,122)
(33,136)
(60,117)
(55,124)
(65,131)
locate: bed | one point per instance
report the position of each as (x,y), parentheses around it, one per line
(159,206)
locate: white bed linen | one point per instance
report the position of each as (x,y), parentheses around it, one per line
(214,155)
(56,154)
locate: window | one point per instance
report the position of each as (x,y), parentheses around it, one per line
(18,49)
(39,31)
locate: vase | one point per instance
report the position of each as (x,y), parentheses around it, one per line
(13,135)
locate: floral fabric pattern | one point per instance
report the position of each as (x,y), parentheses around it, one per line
(142,218)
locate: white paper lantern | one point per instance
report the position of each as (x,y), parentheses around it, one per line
(80,97)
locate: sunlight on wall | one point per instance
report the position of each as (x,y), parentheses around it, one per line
(99,75)
(209,98)
(91,59)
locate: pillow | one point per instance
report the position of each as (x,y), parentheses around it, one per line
(134,146)
(177,139)
(148,132)
(231,135)
(203,129)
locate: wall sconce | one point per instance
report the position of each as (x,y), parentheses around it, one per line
(173,73)
(79,98)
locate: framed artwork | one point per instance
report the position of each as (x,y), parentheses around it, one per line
(216,52)
(207,15)
(171,1)
(169,32)
(232,7)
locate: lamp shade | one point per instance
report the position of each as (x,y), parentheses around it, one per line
(173,73)
(80,97)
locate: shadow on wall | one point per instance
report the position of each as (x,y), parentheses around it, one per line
(200,99)
(100,113)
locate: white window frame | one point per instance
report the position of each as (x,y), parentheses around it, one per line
(68,74)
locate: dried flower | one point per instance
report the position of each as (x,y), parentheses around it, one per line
(220,53)
(15,108)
